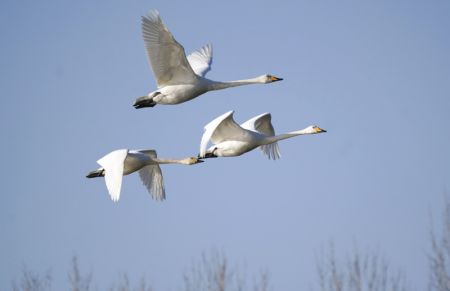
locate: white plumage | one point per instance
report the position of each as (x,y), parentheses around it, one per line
(123,162)
(113,165)
(231,139)
(180,78)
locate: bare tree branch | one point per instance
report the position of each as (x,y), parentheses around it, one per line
(362,272)
(213,273)
(77,281)
(31,281)
(439,259)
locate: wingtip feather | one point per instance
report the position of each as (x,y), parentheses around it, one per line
(152,15)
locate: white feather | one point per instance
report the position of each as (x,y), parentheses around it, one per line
(201,60)
(231,139)
(166,56)
(152,179)
(113,164)
(180,78)
(263,124)
(221,129)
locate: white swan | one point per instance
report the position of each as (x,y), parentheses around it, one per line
(231,139)
(180,78)
(122,162)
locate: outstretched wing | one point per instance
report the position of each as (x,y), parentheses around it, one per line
(113,165)
(262,124)
(151,153)
(166,56)
(272,151)
(223,128)
(201,60)
(152,179)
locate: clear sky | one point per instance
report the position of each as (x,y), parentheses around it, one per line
(375,74)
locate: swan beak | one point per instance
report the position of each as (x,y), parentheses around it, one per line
(199,161)
(319,130)
(274,79)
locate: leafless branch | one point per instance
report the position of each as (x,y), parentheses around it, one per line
(31,281)
(362,272)
(213,273)
(77,281)
(439,258)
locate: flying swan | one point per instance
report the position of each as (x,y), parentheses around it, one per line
(122,162)
(231,139)
(180,78)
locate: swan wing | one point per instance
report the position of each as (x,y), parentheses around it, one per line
(201,60)
(223,128)
(272,151)
(152,179)
(151,153)
(166,56)
(263,124)
(113,165)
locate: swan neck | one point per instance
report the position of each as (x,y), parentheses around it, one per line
(223,85)
(275,138)
(170,161)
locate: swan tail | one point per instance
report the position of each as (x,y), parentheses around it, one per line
(97,173)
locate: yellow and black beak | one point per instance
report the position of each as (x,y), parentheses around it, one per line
(319,130)
(275,79)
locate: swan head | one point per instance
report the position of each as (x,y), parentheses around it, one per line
(270,79)
(192,161)
(313,129)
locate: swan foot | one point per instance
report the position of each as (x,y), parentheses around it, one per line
(97,173)
(207,156)
(143,102)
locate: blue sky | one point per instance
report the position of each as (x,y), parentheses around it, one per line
(376,75)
